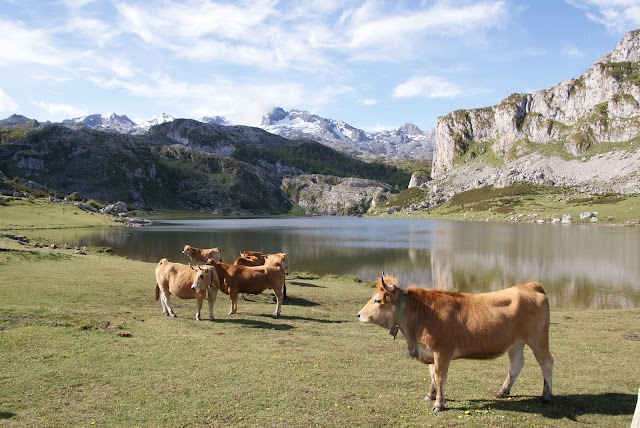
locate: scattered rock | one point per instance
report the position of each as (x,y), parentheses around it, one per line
(115,209)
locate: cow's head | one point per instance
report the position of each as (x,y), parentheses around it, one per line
(379,309)
(186,249)
(205,277)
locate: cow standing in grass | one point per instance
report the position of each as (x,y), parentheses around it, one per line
(202,254)
(441,326)
(185,282)
(236,279)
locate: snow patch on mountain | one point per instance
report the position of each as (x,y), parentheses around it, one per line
(106,122)
(163,118)
(406,142)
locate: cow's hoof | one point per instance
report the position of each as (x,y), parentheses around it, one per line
(544,400)
(437,408)
(429,397)
(212,319)
(502,394)
(173,316)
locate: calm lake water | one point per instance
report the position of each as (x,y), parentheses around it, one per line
(580,266)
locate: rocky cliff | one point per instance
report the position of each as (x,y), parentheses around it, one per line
(324,194)
(581,132)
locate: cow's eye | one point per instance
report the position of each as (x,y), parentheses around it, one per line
(377,301)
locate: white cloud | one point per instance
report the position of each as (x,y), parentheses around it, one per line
(20,45)
(428,87)
(367,101)
(615,15)
(381,32)
(7,104)
(61,111)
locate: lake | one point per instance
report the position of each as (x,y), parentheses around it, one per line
(583,266)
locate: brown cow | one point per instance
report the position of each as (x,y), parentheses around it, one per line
(259,255)
(248,261)
(441,326)
(202,254)
(236,279)
(185,282)
(256,258)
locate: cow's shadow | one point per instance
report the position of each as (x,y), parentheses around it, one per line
(569,406)
(305,284)
(321,321)
(257,324)
(6,415)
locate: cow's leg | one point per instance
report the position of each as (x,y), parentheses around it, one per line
(233,295)
(278,293)
(516,362)
(431,394)
(544,358)
(212,294)
(199,300)
(441,363)
(164,300)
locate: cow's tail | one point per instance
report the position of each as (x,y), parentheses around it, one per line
(157,291)
(535,286)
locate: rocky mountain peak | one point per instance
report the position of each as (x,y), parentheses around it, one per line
(627,50)
(600,107)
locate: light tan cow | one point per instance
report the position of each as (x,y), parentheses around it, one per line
(236,279)
(278,258)
(202,254)
(185,282)
(441,326)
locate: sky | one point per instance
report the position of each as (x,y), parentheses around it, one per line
(375,65)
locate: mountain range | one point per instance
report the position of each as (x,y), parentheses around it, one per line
(582,134)
(406,142)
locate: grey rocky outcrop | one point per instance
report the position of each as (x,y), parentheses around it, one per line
(329,195)
(601,106)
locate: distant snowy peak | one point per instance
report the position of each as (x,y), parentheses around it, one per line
(215,120)
(163,118)
(408,141)
(109,121)
(302,123)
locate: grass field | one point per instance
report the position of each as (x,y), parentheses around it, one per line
(38,213)
(66,360)
(521,202)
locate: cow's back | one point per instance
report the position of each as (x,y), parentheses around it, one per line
(481,325)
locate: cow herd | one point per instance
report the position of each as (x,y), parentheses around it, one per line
(438,326)
(251,273)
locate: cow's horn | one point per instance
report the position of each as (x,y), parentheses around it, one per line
(191,266)
(386,287)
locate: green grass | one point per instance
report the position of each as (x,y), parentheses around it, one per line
(31,213)
(524,201)
(64,364)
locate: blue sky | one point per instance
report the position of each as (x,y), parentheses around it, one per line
(373,64)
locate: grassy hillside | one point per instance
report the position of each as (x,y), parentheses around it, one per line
(522,202)
(315,158)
